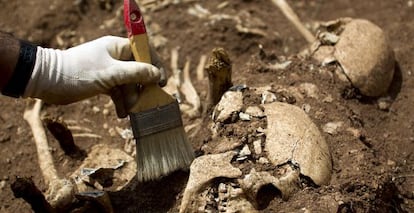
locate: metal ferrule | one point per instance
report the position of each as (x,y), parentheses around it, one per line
(155,120)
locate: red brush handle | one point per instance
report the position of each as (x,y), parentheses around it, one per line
(134,22)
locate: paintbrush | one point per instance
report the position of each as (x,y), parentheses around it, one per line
(162,144)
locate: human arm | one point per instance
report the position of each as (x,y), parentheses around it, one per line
(9,53)
(95,67)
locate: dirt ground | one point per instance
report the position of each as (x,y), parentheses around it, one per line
(372,171)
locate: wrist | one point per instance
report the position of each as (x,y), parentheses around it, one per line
(22,72)
(47,75)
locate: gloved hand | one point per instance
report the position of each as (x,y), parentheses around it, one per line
(126,96)
(66,76)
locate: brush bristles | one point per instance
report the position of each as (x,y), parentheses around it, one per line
(162,153)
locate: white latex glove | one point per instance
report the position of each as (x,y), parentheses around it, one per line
(66,76)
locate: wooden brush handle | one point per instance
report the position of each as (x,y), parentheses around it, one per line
(151,96)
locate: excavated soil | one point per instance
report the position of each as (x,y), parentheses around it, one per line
(373,168)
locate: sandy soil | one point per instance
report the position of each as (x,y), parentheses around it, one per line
(372,172)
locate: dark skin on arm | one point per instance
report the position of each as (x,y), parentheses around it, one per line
(9,53)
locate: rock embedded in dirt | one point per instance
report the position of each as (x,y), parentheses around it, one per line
(332,127)
(255,111)
(257,145)
(229,104)
(309,90)
(245,152)
(366,57)
(2,184)
(244,116)
(263,160)
(268,97)
(291,136)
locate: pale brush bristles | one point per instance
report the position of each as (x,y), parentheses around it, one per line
(162,153)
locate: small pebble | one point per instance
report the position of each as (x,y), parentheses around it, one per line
(355,132)
(257,145)
(241,158)
(245,151)
(222,188)
(260,130)
(268,97)
(124,133)
(391,163)
(244,116)
(306,108)
(310,90)
(2,184)
(263,160)
(96,109)
(112,132)
(328,99)
(384,104)
(353,151)
(332,127)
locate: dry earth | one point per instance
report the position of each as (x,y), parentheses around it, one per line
(373,171)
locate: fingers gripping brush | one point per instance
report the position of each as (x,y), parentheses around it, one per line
(162,144)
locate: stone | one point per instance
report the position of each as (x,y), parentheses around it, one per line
(245,151)
(310,90)
(268,97)
(244,116)
(257,145)
(332,127)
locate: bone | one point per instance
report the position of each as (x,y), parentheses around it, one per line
(287,183)
(174,81)
(87,135)
(60,191)
(200,68)
(292,136)
(202,171)
(190,93)
(32,116)
(294,19)
(219,69)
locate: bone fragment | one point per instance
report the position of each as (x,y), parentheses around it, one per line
(219,69)
(190,93)
(294,19)
(60,191)
(32,116)
(203,170)
(200,68)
